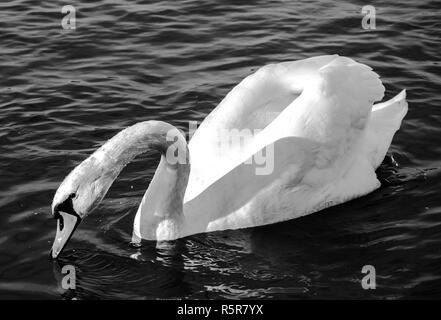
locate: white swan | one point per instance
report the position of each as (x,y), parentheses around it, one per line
(317,126)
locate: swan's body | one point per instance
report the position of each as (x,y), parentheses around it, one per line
(316,122)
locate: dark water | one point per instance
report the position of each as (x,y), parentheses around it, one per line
(63,93)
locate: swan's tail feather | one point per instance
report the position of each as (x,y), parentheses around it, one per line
(397,103)
(386,118)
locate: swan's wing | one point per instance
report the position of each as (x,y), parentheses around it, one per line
(250,106)
(385,120)
(283,164)
(337,106)
(259,98)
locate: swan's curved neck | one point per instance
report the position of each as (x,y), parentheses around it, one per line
(164,198)
(141,137)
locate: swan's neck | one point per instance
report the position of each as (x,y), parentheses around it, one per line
(160,214)
(161,211)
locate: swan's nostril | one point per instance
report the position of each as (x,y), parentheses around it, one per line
(61,222)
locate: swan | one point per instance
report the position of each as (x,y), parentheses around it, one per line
(313,121)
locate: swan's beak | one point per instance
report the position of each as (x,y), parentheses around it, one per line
(66,225)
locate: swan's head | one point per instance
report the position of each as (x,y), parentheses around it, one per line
(78,195)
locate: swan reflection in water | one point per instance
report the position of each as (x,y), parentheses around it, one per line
(101,275)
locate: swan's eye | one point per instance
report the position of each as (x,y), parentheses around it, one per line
(72,195)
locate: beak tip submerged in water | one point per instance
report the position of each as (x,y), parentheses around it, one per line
(53,255)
